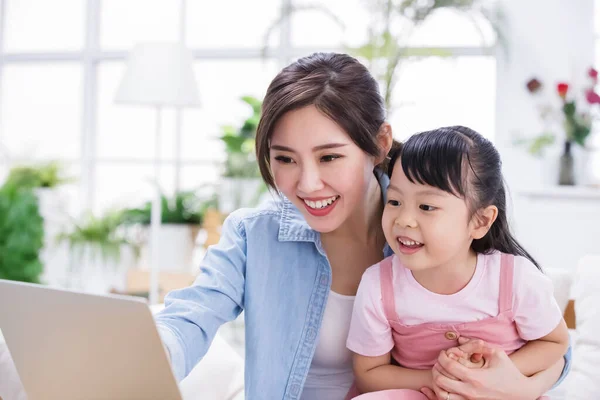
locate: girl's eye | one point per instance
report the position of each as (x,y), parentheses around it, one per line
(425,207)
(284,159)
(329,157)
(393,203)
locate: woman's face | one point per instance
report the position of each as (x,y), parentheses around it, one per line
(319,168)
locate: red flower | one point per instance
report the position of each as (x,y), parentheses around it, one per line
(562,89)
(592,97)
(534,85)
(592,73)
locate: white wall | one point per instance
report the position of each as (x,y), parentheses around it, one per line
(552,40)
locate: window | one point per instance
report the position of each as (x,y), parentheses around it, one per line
(41,110)
(233,24)
(61,62)
(434,92)
(431,91)
(43,26)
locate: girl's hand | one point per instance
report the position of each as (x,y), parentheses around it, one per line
(498,379)
(474,360)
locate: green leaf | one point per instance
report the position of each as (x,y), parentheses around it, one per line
(254,103)
(182,208)
(233,143)
(536,145)
(21,234)
(48,175)
(241,161)
(102,236)
(569,109)
(539,144)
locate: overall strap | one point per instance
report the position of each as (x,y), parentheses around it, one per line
(387,289)
(507,266)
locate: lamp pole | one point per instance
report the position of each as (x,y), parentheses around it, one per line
(155,218)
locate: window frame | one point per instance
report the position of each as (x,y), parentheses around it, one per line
(91,56)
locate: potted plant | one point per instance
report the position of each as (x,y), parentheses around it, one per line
(99,252)
(568,117)
(21,234)
(46,180)
(181,220)
(241,185)
(42,175)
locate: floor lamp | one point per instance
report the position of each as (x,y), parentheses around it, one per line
(158,75)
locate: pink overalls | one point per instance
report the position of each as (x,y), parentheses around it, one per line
(418,346)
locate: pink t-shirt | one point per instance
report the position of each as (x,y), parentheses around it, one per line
(535,310)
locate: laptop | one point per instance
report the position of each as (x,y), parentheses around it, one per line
(74,346)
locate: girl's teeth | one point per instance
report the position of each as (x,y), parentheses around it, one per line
(409,243)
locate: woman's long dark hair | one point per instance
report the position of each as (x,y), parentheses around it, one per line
(339,86)
(462,162)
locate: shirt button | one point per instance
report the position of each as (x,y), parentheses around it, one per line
(295,389)
(311,334)
(450,335)
(324,280)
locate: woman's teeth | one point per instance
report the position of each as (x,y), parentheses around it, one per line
(321,203)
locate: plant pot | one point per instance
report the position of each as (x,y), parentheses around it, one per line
(53,207)
(91,273)
(176,245)
(234,193)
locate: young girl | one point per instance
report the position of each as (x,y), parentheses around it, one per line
(457,271)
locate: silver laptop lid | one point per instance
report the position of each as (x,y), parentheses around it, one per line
(75,346)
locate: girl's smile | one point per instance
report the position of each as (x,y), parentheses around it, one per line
(408,246)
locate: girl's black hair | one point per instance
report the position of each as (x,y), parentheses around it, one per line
(462,162)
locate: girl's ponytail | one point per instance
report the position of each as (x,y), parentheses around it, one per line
(499,237)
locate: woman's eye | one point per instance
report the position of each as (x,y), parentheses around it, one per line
(393,203)
(284,159)
(329,157)
(425,207)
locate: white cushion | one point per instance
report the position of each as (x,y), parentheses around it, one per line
(562,280)
(583,382)
(218,376)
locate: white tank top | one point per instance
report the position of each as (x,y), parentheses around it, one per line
(330,375)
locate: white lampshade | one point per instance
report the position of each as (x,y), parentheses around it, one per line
(159,74)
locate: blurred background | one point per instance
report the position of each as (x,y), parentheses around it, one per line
(85,147)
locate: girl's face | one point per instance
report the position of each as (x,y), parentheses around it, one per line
(318,167)
(425,226)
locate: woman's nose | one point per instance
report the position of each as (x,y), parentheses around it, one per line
(310,180)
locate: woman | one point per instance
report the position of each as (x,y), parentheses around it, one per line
(294,265)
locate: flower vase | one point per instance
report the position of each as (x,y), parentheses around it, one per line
(566,172)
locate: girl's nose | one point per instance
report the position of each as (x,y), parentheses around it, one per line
(406,220)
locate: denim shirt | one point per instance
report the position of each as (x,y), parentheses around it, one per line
(272,265)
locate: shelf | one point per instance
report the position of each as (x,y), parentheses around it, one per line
(562,192)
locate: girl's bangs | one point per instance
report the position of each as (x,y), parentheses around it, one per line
(436,159)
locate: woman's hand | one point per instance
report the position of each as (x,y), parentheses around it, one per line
(498,379)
